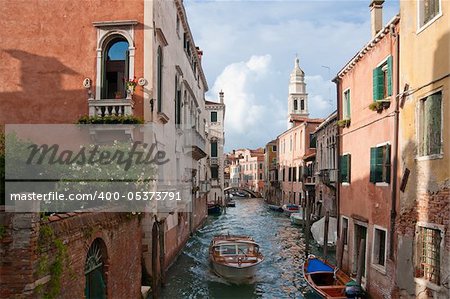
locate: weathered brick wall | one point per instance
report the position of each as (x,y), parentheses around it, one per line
(66,238)
(429,207)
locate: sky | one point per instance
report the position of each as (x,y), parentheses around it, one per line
(249,51)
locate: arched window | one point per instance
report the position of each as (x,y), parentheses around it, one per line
(159,66)
(115,67)
(94,271)
(295,105)
(302,105)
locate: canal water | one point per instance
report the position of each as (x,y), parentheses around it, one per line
(280,274)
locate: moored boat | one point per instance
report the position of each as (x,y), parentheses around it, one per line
(231,203)
(327,280)
(297,218)
(214,209)
(290,208)
(275,208)
(318,231)
(235,258)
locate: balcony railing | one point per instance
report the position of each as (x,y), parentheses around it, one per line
(214,161)
(108,107)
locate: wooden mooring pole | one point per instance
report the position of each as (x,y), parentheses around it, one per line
(361,260)
(307,227)
(325,235)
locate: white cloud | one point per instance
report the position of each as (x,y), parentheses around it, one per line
(264,36)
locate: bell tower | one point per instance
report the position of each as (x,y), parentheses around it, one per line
(298,98)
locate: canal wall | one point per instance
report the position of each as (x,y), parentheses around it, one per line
(48,256)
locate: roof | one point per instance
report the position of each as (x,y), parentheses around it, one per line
(300,118)
(213,103)
(329,119)
(394,21)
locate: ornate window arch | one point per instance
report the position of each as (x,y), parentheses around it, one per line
(106,33)
(94,270)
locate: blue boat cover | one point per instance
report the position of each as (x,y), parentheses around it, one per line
(316,265)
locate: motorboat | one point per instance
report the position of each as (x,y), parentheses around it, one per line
(235,257)
(290,208)
(297,218)
(231,203)
(318,231)
(276,208)
(329,281)
(214,209)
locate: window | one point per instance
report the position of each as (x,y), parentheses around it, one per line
(284,174)
(345,168)
(295,105)
(274,148)
(428,10)
(428,254)
(115,68)
(430,125)
(382,80)
(213,116)
(346,105)
(299,173)
(177,103)
(260,176)
(380,164)
(312,140)
(214,172)
(260,165)
(290,174)
(294,174)
(302,105)
(159,65)
(379,247)
(214,149)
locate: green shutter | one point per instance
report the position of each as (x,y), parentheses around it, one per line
(213,116)
(348,104)
(389,75)
(344,169)
(373,163)
(377,84)
(349,168)
(214,149)
(387,163)
(379,165)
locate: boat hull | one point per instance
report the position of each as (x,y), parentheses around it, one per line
(323,279)
(275,208)
(296,219)
(235,274)
(214,210)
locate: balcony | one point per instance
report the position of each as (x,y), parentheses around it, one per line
(328,176)
(108,107)
(214,161)
(195,143)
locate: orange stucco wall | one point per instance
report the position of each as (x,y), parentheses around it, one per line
(45,60)
(361,201)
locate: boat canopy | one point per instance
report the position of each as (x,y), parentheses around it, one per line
(316,265)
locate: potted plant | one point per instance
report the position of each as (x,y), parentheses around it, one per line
(343,122)
(379,106)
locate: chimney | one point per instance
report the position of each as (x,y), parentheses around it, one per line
(199,53)
(221,97)
(376,16)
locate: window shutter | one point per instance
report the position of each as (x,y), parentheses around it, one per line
(377,84)
(349,168)
(379,165)
(344,169)
(214,149)
(373,162)
(348,104)
(387,163)
(389,75)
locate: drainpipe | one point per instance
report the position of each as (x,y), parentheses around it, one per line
(338,154)
(395,150)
